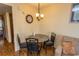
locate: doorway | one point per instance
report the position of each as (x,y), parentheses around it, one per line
(5,28)
(1,28)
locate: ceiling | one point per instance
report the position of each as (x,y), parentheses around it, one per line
(35,5)
(42,5)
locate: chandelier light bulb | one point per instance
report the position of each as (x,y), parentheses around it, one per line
(42,15)
(37,14)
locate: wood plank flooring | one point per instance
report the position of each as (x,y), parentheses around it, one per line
(8,50)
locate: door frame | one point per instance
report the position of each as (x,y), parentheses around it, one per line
(11,23)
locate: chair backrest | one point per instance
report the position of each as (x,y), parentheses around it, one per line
(32,43)
(53,35)
(18,39)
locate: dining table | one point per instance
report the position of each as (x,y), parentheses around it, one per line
(40,37)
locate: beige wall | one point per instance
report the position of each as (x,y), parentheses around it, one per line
(21,27)
(57,19)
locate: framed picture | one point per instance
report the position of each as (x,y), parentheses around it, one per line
(75,13)
(29,19)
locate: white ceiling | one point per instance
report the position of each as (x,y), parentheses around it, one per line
(35,5)
(42,5)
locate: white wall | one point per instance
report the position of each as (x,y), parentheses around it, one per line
(57,19)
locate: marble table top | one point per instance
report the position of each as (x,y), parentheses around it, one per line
(40,37)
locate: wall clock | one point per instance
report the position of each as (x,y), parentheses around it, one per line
(29,19)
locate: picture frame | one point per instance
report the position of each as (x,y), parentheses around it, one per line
(75,12)
(29,19)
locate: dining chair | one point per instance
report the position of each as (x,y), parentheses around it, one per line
(32,46)
(22,45)
(49,42)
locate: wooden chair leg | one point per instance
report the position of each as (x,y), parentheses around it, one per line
(53,51)
(27,53)
(46,49)
(38,53)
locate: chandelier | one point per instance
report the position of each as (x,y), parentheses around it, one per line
(39,15)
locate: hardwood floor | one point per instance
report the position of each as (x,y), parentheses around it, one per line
(23,52)
(8,50)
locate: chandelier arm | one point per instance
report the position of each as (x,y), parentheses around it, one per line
(39,17)
(39,8)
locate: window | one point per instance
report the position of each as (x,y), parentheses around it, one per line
(75,13)
(1,26)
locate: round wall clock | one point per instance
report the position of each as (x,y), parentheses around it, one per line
(29,19)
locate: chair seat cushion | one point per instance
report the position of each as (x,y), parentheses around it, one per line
(23,45)
(49,43)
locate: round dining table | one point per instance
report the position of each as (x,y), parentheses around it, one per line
(40,37)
